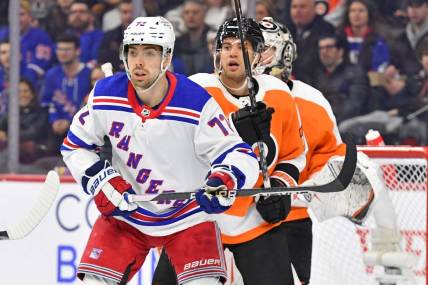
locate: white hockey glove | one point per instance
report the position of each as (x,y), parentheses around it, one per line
(109,189)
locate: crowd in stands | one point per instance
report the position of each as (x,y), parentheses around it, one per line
(368,57)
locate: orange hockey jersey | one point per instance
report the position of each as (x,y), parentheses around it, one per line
(285,150)
(319,126)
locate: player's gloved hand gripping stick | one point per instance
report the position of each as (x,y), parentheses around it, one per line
(109,189)
(337,185)
(209,198)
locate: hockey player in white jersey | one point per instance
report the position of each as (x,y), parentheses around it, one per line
(168,135)
(366,192)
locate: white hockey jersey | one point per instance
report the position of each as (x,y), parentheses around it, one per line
(168,149)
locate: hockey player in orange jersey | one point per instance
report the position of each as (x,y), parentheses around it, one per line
(325,148)
(252,230)
(320,129)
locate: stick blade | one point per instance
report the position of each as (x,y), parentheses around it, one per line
(44,202)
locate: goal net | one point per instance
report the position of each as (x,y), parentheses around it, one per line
(338,244)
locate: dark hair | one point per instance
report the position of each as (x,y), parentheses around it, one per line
(414,3)
(339,40)
(29,84)
(68,38)
(371,10)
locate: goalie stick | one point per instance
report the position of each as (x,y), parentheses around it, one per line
(338,184)
(44,202)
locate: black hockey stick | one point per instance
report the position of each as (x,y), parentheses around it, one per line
(251,91)
(338,184)
(44,202)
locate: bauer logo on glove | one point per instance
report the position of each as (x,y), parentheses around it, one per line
(109,189)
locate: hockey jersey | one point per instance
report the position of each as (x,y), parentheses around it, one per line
(168,149)
(320,127)
(285,150)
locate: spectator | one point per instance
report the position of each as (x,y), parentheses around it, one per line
(66,85)
(25,72)
(81,22)
(306,28)
(264,8)
(4,12)
(423,73)
(33,119)
(36,44)
(415,33)
(111,18)
(189,49)
(344,85)
(365,46)
(109,48)
(217,12)
(56,22)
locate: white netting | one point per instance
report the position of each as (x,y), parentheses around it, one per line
(339,245)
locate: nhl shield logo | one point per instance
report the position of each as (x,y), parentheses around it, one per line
(145,112)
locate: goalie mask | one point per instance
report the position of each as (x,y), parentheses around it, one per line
(149,31)
(280,46)
(250,30)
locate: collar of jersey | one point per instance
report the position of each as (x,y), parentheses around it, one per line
(154,113)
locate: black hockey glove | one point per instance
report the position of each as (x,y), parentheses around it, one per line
(253,124)
(274,208)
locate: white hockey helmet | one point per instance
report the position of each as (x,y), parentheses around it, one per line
(149,31)
(279,37)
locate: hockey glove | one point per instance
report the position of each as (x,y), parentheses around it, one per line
(109,189)
(253,124)
(209,198)
(274,209)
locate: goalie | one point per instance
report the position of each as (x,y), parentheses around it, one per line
(325,154)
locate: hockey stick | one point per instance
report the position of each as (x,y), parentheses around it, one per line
(44,201)
(251,91)
(338,184)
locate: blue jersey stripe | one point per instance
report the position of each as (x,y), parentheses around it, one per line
(113,108)
(167,214)
(164,222)
(77,141)
(64,148)
(220,158)
(180,119)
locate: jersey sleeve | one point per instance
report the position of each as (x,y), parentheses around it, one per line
(79,148)
(217,143)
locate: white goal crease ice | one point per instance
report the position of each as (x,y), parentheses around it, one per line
(339,245)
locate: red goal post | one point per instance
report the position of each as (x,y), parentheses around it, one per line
(338,244)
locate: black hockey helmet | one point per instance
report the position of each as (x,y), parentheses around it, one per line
(250,29)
